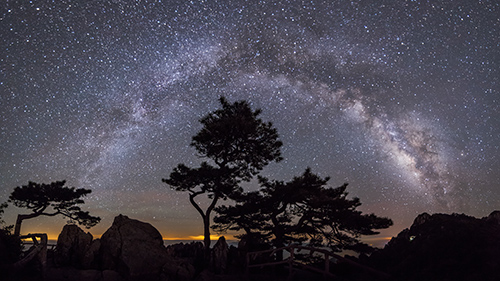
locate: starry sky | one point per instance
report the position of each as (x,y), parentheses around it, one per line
(398,98)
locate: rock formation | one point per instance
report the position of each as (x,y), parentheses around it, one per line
(218,259)
(190,252)
(91,259)
(133,248)
(130,248)
(72,245)
(443,247)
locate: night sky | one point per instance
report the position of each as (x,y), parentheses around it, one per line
(398,98)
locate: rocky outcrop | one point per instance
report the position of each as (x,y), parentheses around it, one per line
(494,217)
(72,245)
(133,248)
(421,219)
(443,247)
(191,253)
(128,250)
(188,250)
(218,259)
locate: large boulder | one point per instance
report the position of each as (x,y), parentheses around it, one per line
(129,250)
(72,245)
(443,247)
(133,248)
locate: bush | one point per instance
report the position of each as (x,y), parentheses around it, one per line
(10,246)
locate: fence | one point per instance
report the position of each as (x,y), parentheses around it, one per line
(292,262)
(39,250)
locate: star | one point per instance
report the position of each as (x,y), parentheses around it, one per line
(400,99)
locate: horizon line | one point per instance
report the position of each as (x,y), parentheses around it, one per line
(167,238)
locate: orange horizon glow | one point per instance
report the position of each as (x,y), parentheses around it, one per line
(386,238)
(228,237)
(189,238)
(199,237)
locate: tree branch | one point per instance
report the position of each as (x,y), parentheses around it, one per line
(195,205)
(52,214)
(212,205)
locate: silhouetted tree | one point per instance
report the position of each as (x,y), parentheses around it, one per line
(3,206)
(304,209)
(51,200)
(247,215)
(237,145)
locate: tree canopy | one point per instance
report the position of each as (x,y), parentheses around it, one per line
(237,140)
(51,200)
(303,209)
(235,144)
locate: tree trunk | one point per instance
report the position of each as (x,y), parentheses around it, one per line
(19,221)
(206,237)
(17,229)
(279,232)
(206,222)
(206,228)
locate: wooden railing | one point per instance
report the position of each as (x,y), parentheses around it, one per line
(292,261)
(39,250)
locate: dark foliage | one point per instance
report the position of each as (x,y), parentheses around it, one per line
(247,215)
(303,209)
(236,139)
(51,200)
(237,145)
(10,245)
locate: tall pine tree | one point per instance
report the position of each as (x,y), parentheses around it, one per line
(303,209)
(236,145)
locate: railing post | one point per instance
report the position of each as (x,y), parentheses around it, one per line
(43,254)
(247,264)
(327,263)
(39,251)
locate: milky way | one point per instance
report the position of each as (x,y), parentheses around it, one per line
(398,98)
